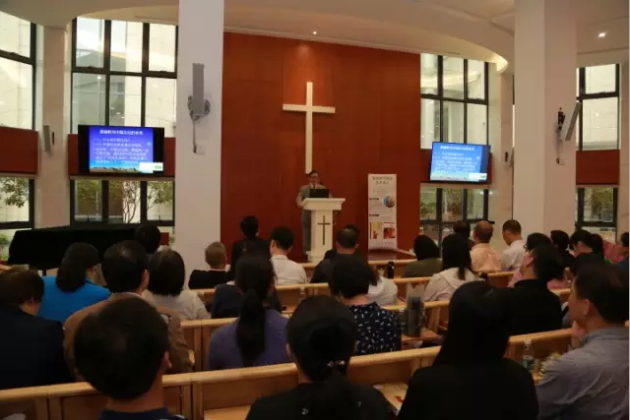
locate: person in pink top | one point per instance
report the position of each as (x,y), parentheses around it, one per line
(484,258)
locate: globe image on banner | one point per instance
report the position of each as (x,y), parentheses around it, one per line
(389,201)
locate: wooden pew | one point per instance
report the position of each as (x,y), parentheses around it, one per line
(399,266)
(563,294)
(79,401)
(222,394)
(500,279)
(543,344)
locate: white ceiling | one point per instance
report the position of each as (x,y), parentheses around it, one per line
(480,29)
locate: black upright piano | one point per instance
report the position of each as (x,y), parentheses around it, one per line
(43,249)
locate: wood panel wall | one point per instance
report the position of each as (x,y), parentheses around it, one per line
(375,130)
(597,167)
(19,151)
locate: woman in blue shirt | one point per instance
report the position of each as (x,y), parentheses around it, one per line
(71,290)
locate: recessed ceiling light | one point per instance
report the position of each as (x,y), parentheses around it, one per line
(314,32)
(602,35)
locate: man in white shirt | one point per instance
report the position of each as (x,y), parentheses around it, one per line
(287,271)
(513,255)
(484,258)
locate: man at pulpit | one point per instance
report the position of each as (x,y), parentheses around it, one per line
(314,183)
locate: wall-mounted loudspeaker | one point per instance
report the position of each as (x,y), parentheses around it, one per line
(48,137)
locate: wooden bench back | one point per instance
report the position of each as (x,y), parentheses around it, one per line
(79,401)
(399,266)
(543,344)
(563,294)
(500,279)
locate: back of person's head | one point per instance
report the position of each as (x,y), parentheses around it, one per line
(347,239)
(167,273)
(598,244)
(122,350)
(255,279)
(536,239)
(350,277)
(483,232)
(478,328)
(282,238)
(149,237)
(322,336)
(560,239)
(462,227)
(354,228)
(581,239)
(215,255)
(249,227)
(623,239)
(424,247)
(78,259)
(600,292)
(546,262)
(455,254)
(512,226)
(124,267)
(21,287)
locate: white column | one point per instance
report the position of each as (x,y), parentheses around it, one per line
(501,133)
(52,199)
(623,198)
(545,46)
(198,176)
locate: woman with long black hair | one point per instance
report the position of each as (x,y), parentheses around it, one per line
(72,289)
(258,336)
(322,337)
(470,378)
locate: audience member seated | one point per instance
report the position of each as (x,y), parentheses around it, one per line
(72,288)
(216,260)
(534,240)
(428,258)
(591,382)
(149,237)
(623,241)
(533,307)
(560,240)
(462,227)
(287,271)
(484,258)
(456,269)
(31,353)
(583,243)
(322,337)
(258,336)
(470,378)
(125,270)
(513,255)
(251,243)
(331,253)
(125,361)
(167,274)
(347,244)
(379,329)
(382,291)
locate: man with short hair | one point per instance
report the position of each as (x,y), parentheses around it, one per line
(591,382)
(216,259)
(347,244)
(623,241)
(251,243)
(125,361)
(150,237)
(484,258)
(515,252)
(31,353)
(287,271)
(583,244)
(125,270)
(314,183)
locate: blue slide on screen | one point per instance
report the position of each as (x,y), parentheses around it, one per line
(120,149)
(459,162)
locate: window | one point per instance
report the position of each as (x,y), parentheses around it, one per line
(124,73)
(17,209)
(598,122)
(440,208)
(454,103)
(597,211)
(17,74)
(122,202)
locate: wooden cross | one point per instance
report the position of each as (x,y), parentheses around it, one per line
(323,224)
(309,109)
